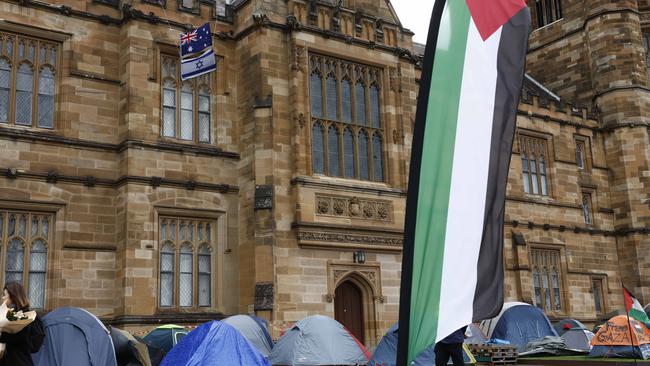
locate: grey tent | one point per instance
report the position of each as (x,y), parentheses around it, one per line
(574,333)
(318,340)
(73,336)
(577,338)
(253,331)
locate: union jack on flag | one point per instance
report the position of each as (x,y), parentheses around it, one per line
(195,42)
(188,37)
(197,55)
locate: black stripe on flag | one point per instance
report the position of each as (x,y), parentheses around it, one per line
(511,59)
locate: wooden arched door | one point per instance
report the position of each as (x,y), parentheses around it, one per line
(348,309)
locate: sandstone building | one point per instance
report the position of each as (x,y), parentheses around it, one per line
(277,184)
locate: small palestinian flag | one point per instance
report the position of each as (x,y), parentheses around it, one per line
(452,271)
(634,308)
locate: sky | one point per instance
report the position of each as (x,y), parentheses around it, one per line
(415,15)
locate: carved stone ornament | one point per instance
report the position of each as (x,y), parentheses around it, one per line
(298,57)
(329,239)
(382,212)
(300,120)
(369,210)
(323,206)
(355,207)
(339,207)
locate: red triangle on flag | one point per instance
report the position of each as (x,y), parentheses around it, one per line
(490,15)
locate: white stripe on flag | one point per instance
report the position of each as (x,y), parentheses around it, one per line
(468,182)
(198,66)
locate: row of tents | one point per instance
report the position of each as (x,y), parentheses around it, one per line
(315,340)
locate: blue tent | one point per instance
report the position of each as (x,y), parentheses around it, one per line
(214,344)
(253,330)
(518,323)
(73,336)
(386,352)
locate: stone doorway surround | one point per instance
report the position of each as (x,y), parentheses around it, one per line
(367,277)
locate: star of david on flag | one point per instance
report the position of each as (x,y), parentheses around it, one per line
(197,55)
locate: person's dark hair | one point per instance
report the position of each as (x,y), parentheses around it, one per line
(17,295)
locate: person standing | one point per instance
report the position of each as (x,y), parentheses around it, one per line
(451,346)
(20,346)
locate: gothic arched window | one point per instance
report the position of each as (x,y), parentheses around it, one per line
(186,262)
(349,94)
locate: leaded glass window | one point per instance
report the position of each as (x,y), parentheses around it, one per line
(205,275)
(186,105)
(586,208)
(345,100)
(332,97)
(333,151)
(186,269)
(167,271)
(186,262)
(318,148)
(547,279)
(597,289)
(363,156)
(28,81)
(25,257)
(545,11)
(348,153)
(5,89)
(377,158)
(534,165)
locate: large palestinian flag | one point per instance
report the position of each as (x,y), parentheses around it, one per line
(452,271)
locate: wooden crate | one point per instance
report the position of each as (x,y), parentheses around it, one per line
(494,355)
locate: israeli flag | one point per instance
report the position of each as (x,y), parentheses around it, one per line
(193,67)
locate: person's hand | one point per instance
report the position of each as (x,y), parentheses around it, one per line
(3,350)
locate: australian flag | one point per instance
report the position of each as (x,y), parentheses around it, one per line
(197,55)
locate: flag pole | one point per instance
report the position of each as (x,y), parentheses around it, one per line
(629,325)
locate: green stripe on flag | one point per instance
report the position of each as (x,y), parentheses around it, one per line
(435,176)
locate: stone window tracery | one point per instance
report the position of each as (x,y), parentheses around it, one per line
(186,262)
(547,279)
(347,131)
(24,241)
(186,105)
(534,165)
(28,81)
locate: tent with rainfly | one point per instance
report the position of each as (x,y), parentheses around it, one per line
(386,352)
(128,350)
(214,344)
(165,336)
(518,323)
(73,336)
(254,331)
(575,334)
(318,340)
(613,339)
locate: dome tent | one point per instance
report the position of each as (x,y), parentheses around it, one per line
(252,330)
(318,340)
(386,352)
(214,343)
(73,336)
(165,336)
(128,350)
(518,323)
(575,334)
(613,339)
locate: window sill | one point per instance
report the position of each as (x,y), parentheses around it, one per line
(351,185)
(545,26)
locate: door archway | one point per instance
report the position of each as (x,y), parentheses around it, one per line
(348,308)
